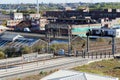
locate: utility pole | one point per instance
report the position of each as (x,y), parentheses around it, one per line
(69,39)
(87,43)
(48,41)
(113,46)
(37,7)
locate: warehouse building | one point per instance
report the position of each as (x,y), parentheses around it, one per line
(16,41)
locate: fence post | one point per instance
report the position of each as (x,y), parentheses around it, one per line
(96,55)
(105,55)
(82,54)
(88,54)
(92,55)
(109,54)
(100,55)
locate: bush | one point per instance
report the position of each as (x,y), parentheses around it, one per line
(41,73)
(2,55)
(25,50)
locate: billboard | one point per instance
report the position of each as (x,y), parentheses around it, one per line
(30,57)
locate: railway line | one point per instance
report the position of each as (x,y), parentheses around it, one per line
(18,62)
(94,48)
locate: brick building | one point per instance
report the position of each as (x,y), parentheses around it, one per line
(95,14)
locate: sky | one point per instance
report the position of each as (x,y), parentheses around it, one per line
(53,1)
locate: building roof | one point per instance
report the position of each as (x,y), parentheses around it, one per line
(73,75)
(10,37)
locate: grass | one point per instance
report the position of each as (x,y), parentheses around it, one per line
(104,67)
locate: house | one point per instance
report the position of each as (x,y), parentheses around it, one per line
(18,16)
(34,16)
(74,75)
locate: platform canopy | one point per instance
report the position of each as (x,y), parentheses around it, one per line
(74,75)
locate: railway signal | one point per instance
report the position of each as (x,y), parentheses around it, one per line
(104,32)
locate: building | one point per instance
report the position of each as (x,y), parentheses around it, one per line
(13,23)
(38,25)
(94,14)
(43,22)
(22,25)
(18,16)
(62,27)
(16,41)
(74,75)
(11,37)
(34,16)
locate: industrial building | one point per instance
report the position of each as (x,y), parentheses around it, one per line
(62,27)
(33,22)
(15,41)
(94,14)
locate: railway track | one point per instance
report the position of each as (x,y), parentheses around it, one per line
(14,64)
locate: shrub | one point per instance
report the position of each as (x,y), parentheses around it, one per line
(2,55)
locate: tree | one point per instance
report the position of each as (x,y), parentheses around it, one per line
(2,55)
